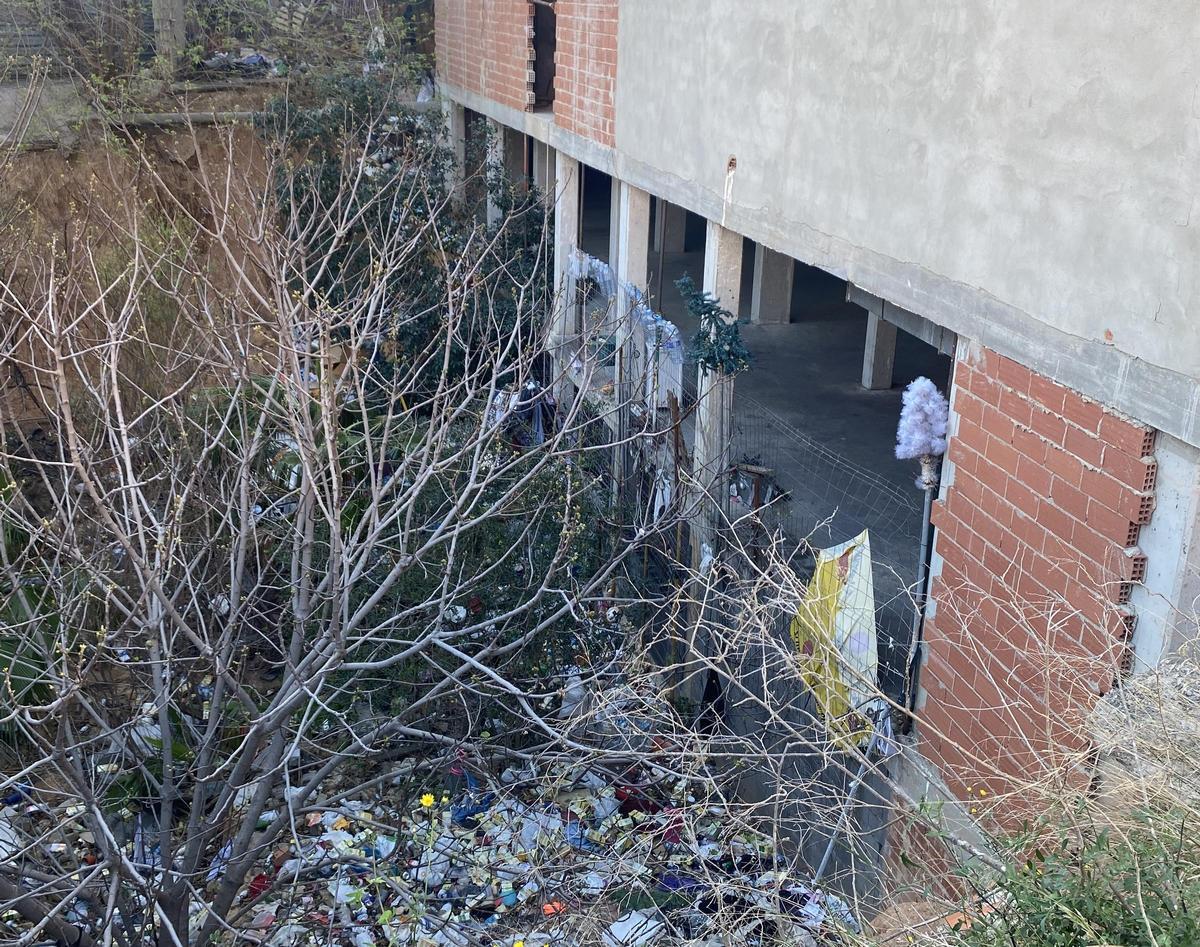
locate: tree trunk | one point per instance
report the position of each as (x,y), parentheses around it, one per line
(34,911)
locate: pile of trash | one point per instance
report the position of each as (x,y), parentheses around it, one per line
(626,854)
(248,62)
(572,857)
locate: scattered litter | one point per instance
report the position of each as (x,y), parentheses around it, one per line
(247,62)
(524,859)
(627,853)
(635,929)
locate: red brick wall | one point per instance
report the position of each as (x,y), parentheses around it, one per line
(1048,491)
(586,68)
(484,46)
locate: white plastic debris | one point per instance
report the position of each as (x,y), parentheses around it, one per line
(343,891)
(635,929)
(514,774)
(10,839)
(574,694)
(218,865)
(287,935)
(433,864)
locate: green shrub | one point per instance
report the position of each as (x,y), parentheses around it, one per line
(1139,886)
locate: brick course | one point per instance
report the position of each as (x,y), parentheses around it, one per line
(1037,537)
(586,68)
(485,47)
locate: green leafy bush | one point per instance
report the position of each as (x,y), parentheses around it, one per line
(1138,887)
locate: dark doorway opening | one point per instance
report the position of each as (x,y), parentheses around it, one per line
(545,41)
(596,212)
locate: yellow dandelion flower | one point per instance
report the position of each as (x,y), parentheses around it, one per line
(427,800)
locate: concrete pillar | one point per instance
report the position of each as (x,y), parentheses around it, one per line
(723,265)
(513,153)
(670,227)
(879,354)
(714,391)
(456,135)
(566,236)
(633,234)
(771,298)
(633,251)
(170,31)
(614,223)
(496,153)
(543,172)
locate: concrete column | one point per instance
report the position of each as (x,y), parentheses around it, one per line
(633,251)
(674,228)
(633,234)
(496,154)
(456,134)
(879,354)
(170,32)
(614,223)
(723,265)
(543,172)
(513,152)
(714,392)
(771,300)
(566,235)
(632,247)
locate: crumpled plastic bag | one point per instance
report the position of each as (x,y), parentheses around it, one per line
(635,929)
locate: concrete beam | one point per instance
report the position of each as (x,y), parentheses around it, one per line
(670,227)
(771,299)
(938,336)
(879,354)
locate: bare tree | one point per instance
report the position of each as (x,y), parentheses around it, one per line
(278,514)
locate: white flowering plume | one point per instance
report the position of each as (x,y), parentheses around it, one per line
(923,420)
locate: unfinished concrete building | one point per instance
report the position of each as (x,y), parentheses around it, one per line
(1003,202)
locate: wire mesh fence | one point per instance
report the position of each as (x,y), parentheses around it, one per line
(815,496)
(829,496)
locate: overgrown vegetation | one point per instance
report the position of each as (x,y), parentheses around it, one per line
(1136,884)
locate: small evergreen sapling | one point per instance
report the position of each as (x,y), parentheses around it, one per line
(717,345)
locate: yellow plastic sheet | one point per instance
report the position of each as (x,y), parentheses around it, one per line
(834,632)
